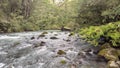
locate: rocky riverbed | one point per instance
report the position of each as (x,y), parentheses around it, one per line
(47,49)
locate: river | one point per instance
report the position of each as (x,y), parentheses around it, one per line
(55,50)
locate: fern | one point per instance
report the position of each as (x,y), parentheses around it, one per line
(93,33)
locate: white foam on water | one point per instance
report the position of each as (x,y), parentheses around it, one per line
(43,49)
(1,48)
(25,46)
(9,37)
(3,52)
(1,65)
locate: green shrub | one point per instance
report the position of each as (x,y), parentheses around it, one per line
(93,34)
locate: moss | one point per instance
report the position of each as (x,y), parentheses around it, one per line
(63,62)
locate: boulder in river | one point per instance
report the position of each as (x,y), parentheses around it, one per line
(61,52)
(53,38)
(42,35)
(109,54)
(112,64)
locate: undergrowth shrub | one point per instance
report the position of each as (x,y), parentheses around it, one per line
(109,33)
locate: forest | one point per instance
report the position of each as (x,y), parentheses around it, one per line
(96,22)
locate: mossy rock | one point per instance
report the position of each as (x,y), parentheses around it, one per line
(44,33)
(112,64)
(109,54)
(118,51)
(40,36)
(106,45)
(61,52)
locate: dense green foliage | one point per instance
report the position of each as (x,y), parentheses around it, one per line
(13,14)
(29,15)
(97,12)
(109,33)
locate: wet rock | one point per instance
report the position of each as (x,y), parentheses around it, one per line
(16,43)
(81,55)
(53,38)
(41,44)
(44,33)
(100,59)
(118,62)
(46,38)
(61,52)
(67,40)
(88,54)
(106,45)
(88,50)
(96,52)
(66,32)
(32,38)
(112,64)
(71,34)
(56,34)
(118,51)
(65,29)
(73,66)
(109,53)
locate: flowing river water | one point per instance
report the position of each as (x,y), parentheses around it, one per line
(56,50)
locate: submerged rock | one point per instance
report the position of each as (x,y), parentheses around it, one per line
(42,43)
(67,40)
(56,34)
